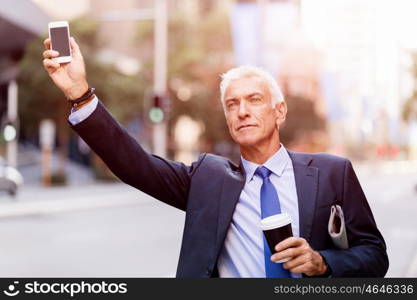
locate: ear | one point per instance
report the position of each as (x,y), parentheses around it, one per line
(281,112)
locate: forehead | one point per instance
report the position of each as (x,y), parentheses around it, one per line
(246,86)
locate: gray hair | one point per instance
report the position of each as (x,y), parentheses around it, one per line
(247,71)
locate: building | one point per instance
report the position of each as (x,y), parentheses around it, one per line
(20,22)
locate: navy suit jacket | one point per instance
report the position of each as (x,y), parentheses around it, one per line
(209,190)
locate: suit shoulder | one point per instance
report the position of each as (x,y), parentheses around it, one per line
(216,161)
(329,158)
(213,158)
(319,158)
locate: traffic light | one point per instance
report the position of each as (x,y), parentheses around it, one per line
(9,132)
(156,110)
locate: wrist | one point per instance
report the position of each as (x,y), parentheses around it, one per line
(76,91)
(324,267)
(83,103)
(83,100)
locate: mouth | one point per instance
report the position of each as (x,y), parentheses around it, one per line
(245,126)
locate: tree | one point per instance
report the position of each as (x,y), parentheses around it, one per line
(304,129)
(198,52)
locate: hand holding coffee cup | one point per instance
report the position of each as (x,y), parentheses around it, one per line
(295,252)
(276,228)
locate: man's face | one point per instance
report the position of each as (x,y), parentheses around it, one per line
(249,113)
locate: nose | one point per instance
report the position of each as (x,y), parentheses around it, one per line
(243,111)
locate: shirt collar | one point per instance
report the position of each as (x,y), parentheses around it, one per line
(276,164)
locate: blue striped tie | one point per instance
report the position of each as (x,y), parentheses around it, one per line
(270,206)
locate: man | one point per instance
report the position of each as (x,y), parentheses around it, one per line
(225,202)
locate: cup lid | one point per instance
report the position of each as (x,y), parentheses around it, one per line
(275,221)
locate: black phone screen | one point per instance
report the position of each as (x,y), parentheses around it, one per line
(59,39)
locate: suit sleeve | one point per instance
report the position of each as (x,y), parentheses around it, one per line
(366,256)
(165,180)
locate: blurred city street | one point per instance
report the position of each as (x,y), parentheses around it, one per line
(100,230)
(391,191)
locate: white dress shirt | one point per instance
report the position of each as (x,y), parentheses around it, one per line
(243,251)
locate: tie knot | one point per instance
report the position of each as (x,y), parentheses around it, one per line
(262,171)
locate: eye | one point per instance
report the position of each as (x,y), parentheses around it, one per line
(255,99)
(231,104)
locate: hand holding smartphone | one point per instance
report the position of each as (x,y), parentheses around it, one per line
(60,49)
(60,41)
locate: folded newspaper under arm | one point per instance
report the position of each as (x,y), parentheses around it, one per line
(337,228)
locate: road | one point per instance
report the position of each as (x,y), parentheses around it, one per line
(113,230)
(90,231)
(391,191)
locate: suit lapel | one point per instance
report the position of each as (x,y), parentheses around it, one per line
(306,182)
(232,187)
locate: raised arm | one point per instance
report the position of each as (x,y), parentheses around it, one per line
(165,180)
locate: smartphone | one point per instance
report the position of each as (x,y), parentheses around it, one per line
(59,35)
